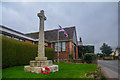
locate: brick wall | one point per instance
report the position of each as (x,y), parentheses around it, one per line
(69,50)
(75,55)
(65,54)
(73,51)
(52,45)
(28,41)
(76,52)
(49,45)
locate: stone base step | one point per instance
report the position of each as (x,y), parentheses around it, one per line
(40,58)
(53,68)
(41,63)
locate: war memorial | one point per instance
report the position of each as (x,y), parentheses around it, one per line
(41,61)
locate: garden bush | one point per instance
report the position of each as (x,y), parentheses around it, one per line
(15,52)
(49,53)
(100,55)
(89,57)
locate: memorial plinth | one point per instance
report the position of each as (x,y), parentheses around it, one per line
(35,66)
(41,61)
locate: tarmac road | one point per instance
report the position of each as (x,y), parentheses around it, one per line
(110,68)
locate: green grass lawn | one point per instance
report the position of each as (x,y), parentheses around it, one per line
(66,70)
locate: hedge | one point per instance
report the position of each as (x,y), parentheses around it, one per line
(15,52)
(100,55)
(89,57)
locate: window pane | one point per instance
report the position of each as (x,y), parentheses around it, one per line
(59,49)
(63,46)
(55,46)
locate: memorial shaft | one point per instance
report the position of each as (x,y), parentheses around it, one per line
(40,61)
(41,51)
(41,48)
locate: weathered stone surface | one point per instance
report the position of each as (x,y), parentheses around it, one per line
(53,68)
(37,69)
(33,63)
(50,63)
(40,58)
(41,50)
(41,63)
(27,68)
(32,69)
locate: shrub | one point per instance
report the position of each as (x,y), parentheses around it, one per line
(49,53)
(100,55)
(15,52)
(89,57)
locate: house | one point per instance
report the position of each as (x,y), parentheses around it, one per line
(67,46)
(15,34)
(117,53)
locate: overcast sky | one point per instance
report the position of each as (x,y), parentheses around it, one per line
(96,22)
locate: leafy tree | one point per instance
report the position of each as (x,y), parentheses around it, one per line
(105,49)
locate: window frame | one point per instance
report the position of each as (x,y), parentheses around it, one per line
(61,46)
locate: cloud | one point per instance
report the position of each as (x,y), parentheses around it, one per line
(16,20)
(95,22)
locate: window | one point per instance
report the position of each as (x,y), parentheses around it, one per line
(61,46)
(55,46)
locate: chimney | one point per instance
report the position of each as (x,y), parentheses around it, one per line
(80,39)
(80,42)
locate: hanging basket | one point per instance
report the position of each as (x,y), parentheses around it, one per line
(45,70)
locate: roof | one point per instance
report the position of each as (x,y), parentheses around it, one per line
(14,33)
(11,29)
(52,35)
(118,48)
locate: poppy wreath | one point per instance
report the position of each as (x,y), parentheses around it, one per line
(45,70)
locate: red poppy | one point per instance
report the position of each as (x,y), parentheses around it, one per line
(45,70)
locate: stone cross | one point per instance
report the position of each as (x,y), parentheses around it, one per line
(41,61)
(41,50)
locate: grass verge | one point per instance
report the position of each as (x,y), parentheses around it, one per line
(66,70)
